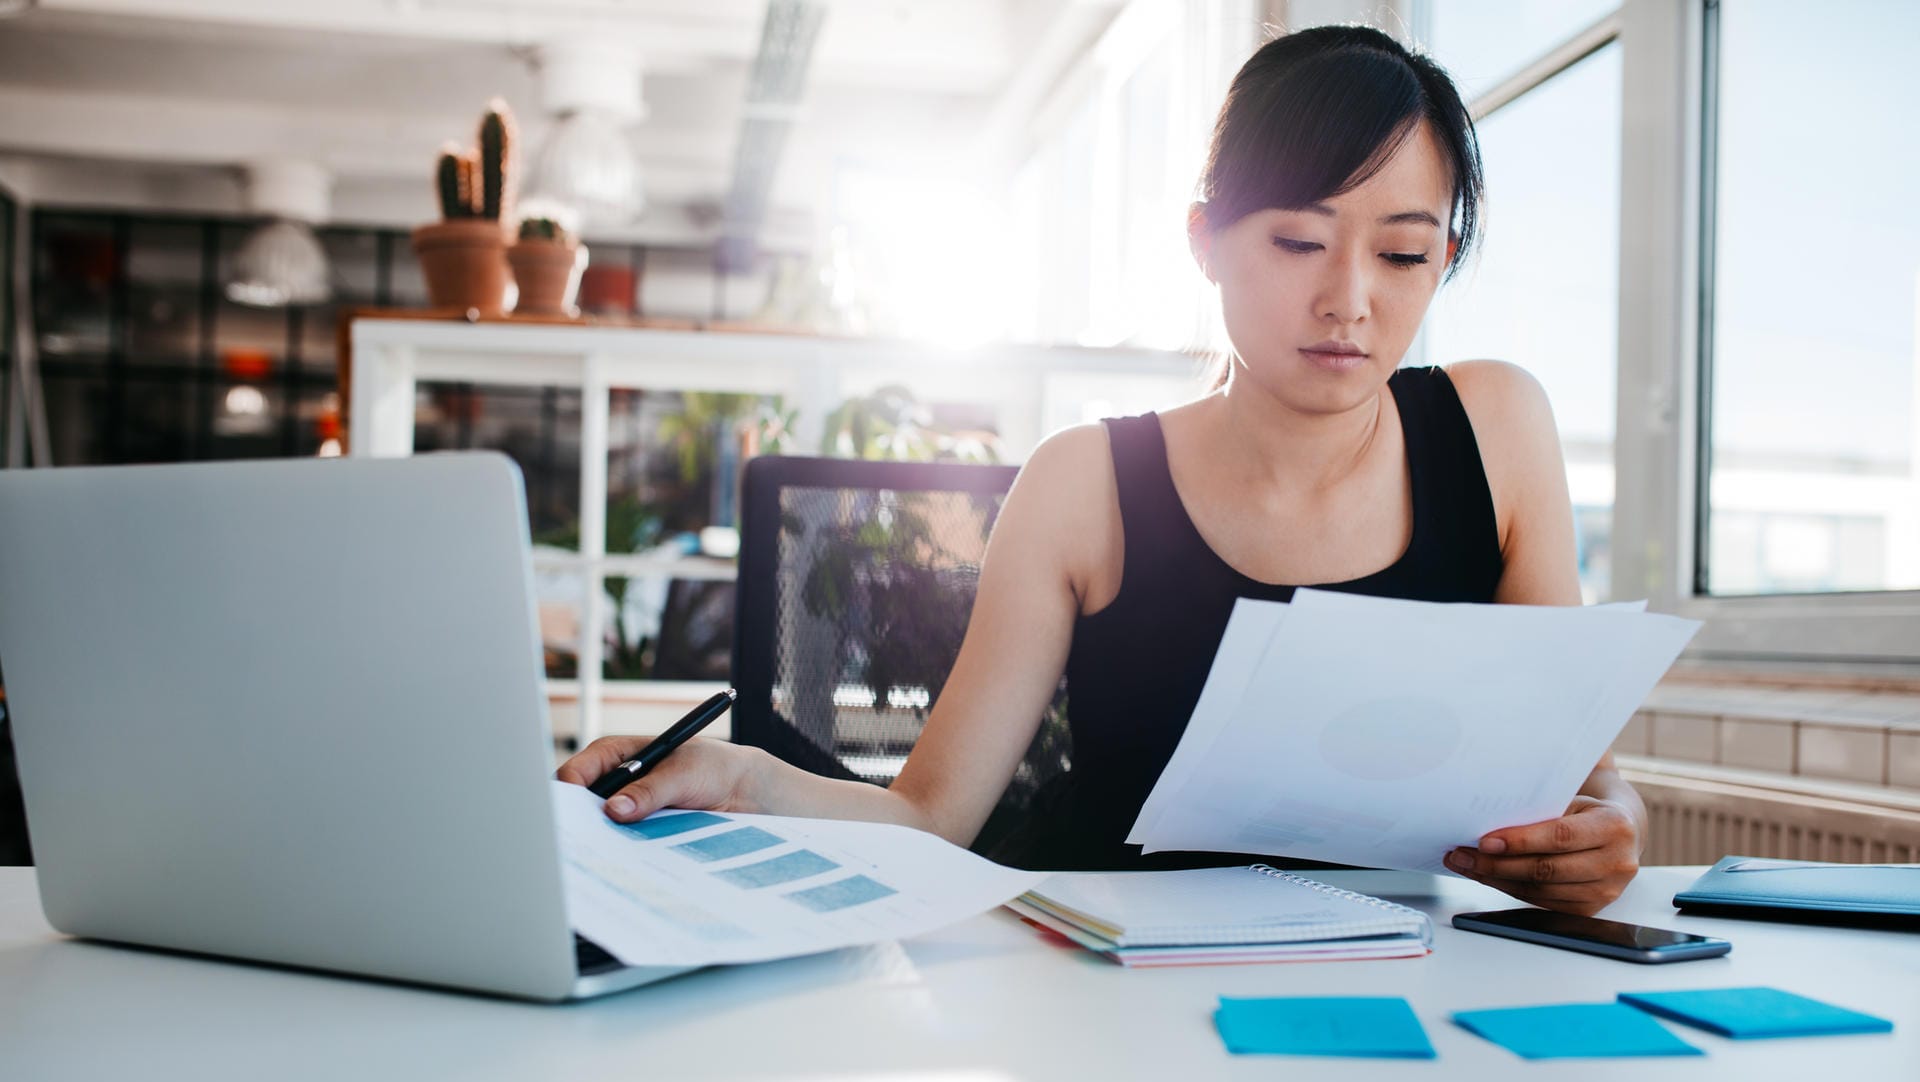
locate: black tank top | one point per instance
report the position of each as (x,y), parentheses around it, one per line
(1136,667)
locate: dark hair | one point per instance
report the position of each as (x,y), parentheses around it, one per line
(1316,113)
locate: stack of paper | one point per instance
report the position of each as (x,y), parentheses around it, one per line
(1383,733)
(1221,915)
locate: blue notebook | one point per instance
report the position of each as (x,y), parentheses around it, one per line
(1755,1012)
(1802,889)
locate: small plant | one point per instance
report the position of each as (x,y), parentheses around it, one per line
(544,229)
(496,151)
(891,424)
(480,184)
(450,182)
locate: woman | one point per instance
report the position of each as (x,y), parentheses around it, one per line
(1342,183)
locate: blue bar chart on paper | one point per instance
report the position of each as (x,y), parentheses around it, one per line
(698,888)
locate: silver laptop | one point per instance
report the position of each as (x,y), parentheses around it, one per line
(292,712)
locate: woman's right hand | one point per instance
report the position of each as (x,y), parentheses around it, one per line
(701,773)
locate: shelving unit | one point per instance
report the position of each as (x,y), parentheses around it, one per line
(1029,391)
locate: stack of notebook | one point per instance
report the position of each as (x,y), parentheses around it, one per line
(1220,916)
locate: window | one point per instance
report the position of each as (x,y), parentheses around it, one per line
(1482,43)
(1544,291)
(1101,196)
(1762,459)
(1812,478)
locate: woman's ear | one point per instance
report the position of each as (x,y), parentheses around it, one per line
(1200,238)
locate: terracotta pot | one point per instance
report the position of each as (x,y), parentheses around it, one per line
(548,273)
(464,261)
(608,289)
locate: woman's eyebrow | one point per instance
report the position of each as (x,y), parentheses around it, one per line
(1418,217)
(1405,217)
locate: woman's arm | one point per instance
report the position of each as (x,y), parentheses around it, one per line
(1583,860)
(1006,674)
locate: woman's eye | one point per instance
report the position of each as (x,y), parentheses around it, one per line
(1298,247)
(1405,259)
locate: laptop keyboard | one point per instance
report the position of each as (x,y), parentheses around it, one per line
(589,958)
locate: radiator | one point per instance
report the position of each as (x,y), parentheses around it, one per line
(1696,819)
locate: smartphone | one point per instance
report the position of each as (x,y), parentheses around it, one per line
(1592,935)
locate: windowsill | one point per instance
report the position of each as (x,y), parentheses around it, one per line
(1802,789)
(1808,675)
(1781,724)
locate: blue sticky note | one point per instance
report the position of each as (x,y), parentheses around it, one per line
(1755,1012)
(1574,1031)
(1377,1026)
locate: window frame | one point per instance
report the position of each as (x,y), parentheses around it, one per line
(1663,374)
(1660,457)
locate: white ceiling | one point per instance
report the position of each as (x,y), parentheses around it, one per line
(370,89)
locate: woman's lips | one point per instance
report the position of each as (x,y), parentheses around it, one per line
(1334,361)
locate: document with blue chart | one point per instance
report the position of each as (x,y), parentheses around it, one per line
(701,888)
(1381,732)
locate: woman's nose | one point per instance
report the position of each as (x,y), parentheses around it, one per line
(1344,291)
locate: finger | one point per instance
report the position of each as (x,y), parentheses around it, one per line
(1585,866)
(682,780)
(1559,896)
(599,757)
(1591,828)
(1583,899)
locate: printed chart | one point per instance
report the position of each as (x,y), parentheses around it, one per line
(697,888)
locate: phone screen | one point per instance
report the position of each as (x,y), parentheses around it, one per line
(1592,929)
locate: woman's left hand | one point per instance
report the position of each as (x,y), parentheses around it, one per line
(1576,864)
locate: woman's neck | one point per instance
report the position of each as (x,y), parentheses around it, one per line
(1267,443)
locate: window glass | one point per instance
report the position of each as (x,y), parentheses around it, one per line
(164,269)
(537,427)
(76,263)
(1544,291)
(1814,474)
(1481,42)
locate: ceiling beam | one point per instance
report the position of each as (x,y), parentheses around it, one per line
(943,46)
(346,142)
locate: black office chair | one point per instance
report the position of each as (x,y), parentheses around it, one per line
(856,583)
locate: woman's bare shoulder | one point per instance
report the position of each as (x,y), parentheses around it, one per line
(1064,509)
(1068,462)
(1499,391)
(1519,447)
(1512,419)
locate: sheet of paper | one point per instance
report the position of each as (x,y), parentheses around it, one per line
(1383,733)
(699,888)
(1372,1026)
(1249,629)
(1574,1031)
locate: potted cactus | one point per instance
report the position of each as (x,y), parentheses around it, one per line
(463,256)
(546,262)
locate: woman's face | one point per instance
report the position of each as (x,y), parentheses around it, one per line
(1321,302)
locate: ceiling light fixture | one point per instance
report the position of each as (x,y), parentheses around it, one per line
(281,263)
(587,171)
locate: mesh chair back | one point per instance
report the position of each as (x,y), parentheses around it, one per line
(856,584)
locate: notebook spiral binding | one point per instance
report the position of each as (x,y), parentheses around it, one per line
(1395,908)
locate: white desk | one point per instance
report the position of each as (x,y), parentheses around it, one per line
(984,1000)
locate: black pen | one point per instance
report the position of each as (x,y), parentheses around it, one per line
(661,746)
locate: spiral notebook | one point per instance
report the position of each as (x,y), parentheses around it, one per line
(1253,913)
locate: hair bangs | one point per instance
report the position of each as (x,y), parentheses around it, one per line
(1314,114)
